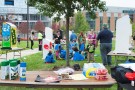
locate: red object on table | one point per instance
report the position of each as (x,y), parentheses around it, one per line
(101,74)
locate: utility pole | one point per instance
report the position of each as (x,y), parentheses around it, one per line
(27,24)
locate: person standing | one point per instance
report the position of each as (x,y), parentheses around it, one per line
(90,51)
(92,36)
(32,39)
(105,36)
(58,36)
(40,37)
(81,42)
(18,39)
(61,32)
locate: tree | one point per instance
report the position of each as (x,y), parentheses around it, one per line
(80,23)
(67,8)
(39,26)
(23,28)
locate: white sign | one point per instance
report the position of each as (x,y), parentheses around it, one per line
(47,42)
(49,33)
(123,34)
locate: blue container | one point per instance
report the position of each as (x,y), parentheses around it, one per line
(23,71)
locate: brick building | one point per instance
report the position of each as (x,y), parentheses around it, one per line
(110,17)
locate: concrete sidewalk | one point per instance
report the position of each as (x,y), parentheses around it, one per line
(23,53)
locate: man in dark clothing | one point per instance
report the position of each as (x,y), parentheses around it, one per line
(61,33)
(105,36)
(58,37)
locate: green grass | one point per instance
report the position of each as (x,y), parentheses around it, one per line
(23,44)
(35,63)
(23,88)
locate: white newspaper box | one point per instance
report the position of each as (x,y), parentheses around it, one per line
(47,41)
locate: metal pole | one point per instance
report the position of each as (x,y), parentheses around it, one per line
(27,24)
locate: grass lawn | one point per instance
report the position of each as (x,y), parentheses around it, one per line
(35,62)
(23,44)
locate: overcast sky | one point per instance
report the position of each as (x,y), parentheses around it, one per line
(120,3)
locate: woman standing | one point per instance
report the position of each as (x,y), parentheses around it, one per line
(81,41)
(92,37)
(18,39)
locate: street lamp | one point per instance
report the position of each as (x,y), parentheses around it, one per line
(27,24)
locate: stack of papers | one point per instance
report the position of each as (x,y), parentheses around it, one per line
(78,77)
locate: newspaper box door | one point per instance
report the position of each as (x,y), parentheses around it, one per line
(47,45)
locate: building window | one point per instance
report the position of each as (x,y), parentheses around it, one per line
(24,16)
(9,2)
(92,24)
(43,17)
(108,22)
(34,17)
(32,24)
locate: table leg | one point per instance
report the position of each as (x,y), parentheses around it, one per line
(20,54)
(115,61)
(79,88)
(6,54)
(91,89)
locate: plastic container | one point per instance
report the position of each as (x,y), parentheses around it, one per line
(18,66)
(4,70)
(23,71)
(13,70)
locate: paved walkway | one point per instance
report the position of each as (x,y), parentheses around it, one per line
(23,53)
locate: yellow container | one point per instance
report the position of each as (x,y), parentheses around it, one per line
(91,72)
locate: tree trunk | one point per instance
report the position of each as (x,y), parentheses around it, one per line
(67,40)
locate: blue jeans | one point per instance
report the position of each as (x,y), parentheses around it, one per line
(105,48)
